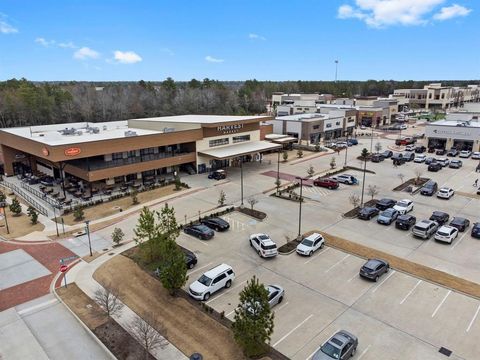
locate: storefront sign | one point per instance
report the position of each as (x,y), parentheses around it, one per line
(73,151)
(452,132)
(229,129)
(45,152)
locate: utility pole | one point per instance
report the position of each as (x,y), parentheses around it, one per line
(241,179)
(300,208)
(278,170)
(88,234)
(336,70)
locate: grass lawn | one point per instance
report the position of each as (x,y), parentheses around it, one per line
(18,225)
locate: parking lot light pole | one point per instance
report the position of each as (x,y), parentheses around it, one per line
(241,179)
(346,149)
(300,208)
(3,205)
(278,170)
(88,234)
(371,141)
(55,219)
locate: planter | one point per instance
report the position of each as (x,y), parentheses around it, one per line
(259,215)
(289,247)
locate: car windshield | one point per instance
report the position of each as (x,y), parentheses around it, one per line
(443,233)
(307,242)
(269,247)
(331,350)
(386,213)
(205,280)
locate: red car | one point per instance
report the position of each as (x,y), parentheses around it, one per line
(326,183)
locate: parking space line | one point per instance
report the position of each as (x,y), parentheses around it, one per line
(458,241)
(225,292)
(353,277)
(318,254)
(231,312)
(337,263)
(291,331)
(473,319)
(200,268)
(410,292)
(384,281)
(364,352)
(281,307)
(441,303)
(310,356)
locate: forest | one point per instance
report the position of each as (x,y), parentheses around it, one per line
(27,103)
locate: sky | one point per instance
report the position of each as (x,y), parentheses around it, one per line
(120,40)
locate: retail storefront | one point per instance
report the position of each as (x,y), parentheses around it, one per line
(463,135)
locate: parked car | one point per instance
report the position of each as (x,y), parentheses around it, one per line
(465,154)
(430,160)
(341,145)
(376,158)
(452,152)
(410,147)
(476,155)
(419,135)
(429,188)
(342,345)
(403,206)
(211,281)
(310,244)
(460,223)
(445,193)
(455,164)
(345,179)
(420,158)
(216,224)
(424,229)
(200,231)
(435,166)
(440,217)
(366,213)
(374,268)
(218,175)
(443,161)
(431,150)
(264,246)
(326,183)
(384,204)
(388,216)
(420,149)
(190,258)
(446,234)
(409,156)
(275,294)
(405,222)
(352,142)
(398,158)
(440,152)
(387,154)
(476,231)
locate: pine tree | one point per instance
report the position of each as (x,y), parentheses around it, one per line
(32,213)
(173,269)
(15,207)
(168,226)
(78,213)
(253,322)
(146,232)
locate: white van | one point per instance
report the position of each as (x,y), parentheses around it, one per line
(211,281)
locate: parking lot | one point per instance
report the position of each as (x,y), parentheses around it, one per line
(397,318)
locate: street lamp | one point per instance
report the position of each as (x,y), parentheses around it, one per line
(346,149)
(55,219)
(278,170)
(302,179)
(371,141)
(88,234)
(3,205)
(241,179)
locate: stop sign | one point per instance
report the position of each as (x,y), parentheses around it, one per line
(63,268)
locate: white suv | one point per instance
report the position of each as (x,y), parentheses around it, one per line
(404,206)
(446,234)
(211,281)
(264,245)
(310,244)
(445,193)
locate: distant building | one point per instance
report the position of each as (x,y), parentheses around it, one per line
(445,134)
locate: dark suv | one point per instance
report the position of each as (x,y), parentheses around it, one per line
(384,204)
(326,183)
(374,268)
(435,166)
(429,188)
(440,217)
(367,213)
(405,222)
(216,224)
(460,223)
(476,231)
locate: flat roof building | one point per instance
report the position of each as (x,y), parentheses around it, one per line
(445,134)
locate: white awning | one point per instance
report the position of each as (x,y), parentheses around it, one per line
(245,148)
(285,140)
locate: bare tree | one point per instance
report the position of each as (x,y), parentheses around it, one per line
(146,330)
(401,177)
(418,176)
(252,201)
(372,190)
(378,147)
(354,199)
(108,299)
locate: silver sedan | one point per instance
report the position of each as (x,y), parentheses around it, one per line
(275,294)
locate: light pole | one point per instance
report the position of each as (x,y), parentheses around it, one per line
(346,149)
(371,141)
(100,88)
(364,155)
(3,205)
(278,170)
(336,70)
(55,219)
(88,234)
(300,208)
(241,179)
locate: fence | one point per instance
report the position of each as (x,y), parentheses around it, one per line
(19,192)
(40,195)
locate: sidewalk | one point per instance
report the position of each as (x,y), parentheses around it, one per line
(82,275)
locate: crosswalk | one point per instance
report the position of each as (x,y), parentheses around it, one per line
(314,192)
(235,224)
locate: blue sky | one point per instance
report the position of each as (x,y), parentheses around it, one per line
(239,39)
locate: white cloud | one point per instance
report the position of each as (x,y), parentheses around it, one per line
(85,53)
(449,12)
(382,13)
(67,45)
(256,37)
(44,42)
(126,57)
(213,60)
(6,28)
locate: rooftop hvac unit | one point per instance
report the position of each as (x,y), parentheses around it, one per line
(167,129)
(104,127)
(130,133)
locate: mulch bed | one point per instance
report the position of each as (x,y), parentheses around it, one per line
(360,169)
(260,215)
(120,342)
(411,182)
(354,212)
(289,246)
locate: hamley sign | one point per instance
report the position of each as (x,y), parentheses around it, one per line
(453,132)
(229,129)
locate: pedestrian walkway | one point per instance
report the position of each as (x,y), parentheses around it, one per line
(314,192)
(82,275)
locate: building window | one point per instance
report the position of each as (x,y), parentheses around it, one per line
(315,127)
(242,138)
(146,151)
(117,156)
(218,142)
(337,123)
(328,125)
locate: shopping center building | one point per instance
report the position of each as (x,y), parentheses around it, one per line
(133,150)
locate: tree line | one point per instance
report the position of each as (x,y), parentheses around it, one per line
(27,103)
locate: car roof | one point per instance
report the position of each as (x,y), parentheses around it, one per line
(385,200)
(446,228)
(457,219)
(272,288)
(374,262)
(445,188)
(217,270)
(439,213)
(313,236)
(404,200)
(405,217)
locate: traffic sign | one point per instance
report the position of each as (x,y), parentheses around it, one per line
(63,268)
